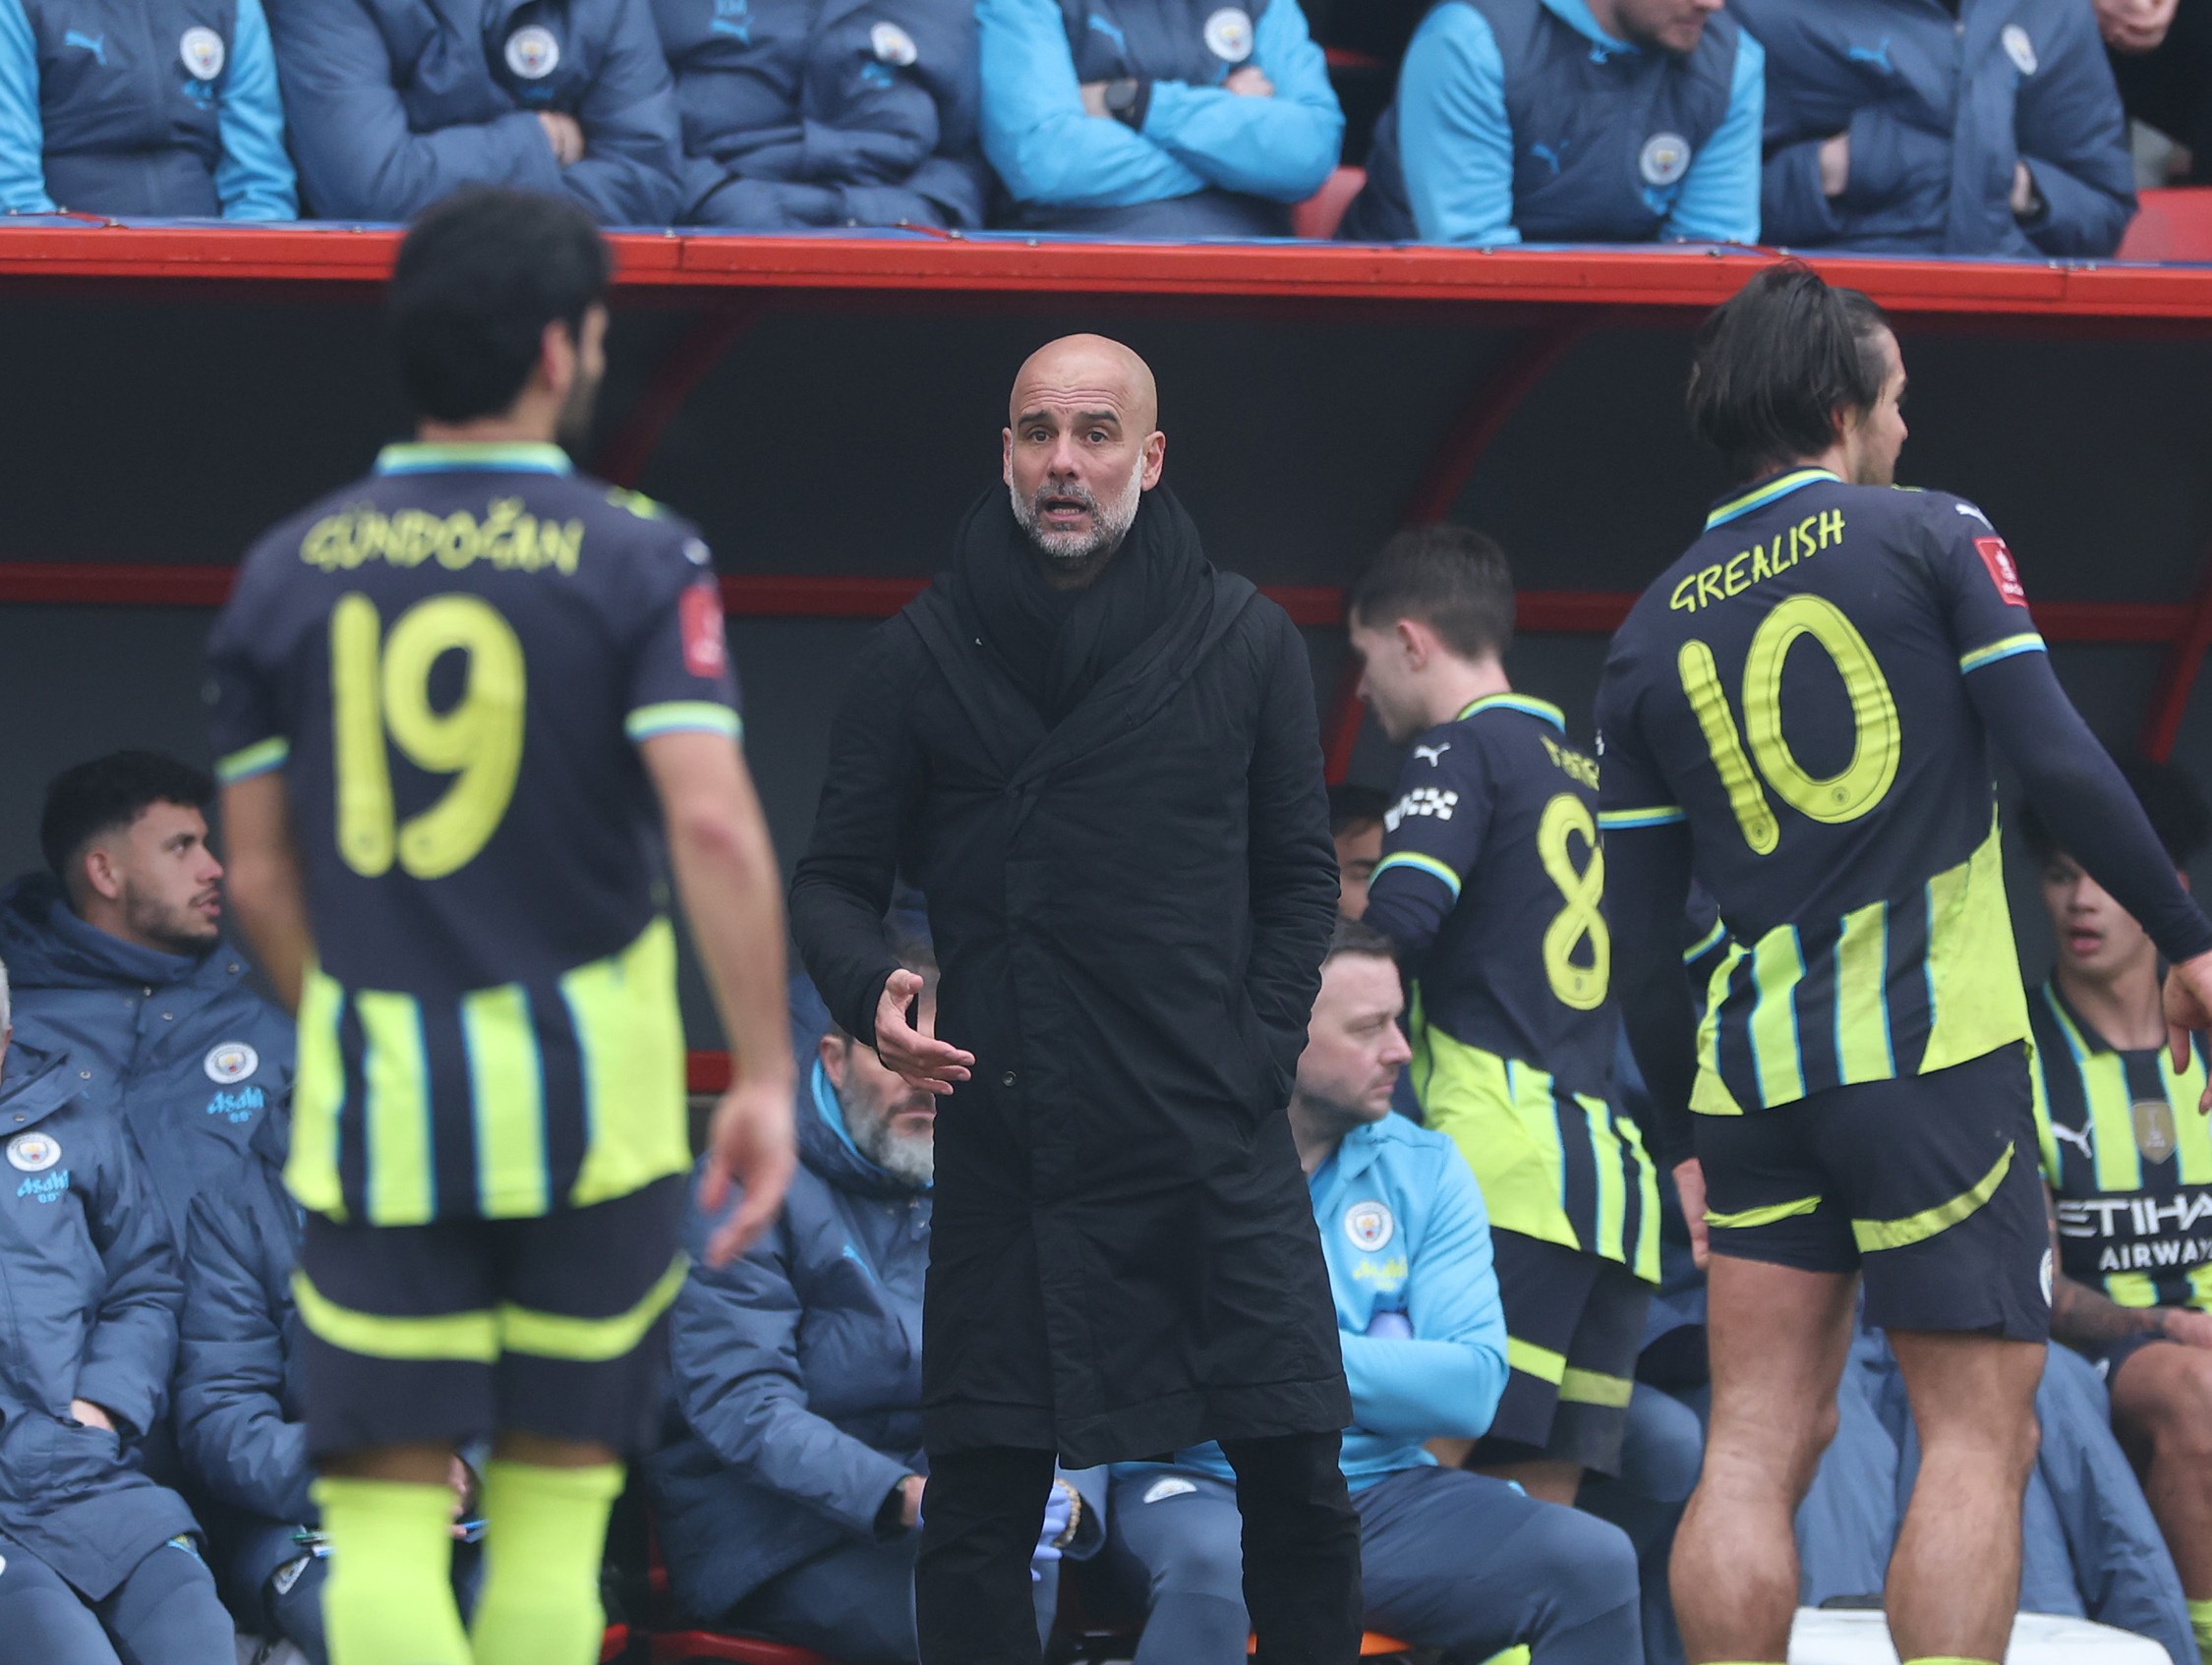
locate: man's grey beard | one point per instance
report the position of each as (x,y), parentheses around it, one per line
(1109,521)
(911,1157)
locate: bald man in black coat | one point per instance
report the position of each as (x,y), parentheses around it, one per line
(1099,759)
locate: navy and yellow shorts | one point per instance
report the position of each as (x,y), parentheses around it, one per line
(1574,1323)
(1926,1185)
(460,1329)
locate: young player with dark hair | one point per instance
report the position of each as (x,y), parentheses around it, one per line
(1799,713)
(459,706)
(1491,883)
(1355,814)
(2130,1163)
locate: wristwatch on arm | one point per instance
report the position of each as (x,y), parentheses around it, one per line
(1127,101)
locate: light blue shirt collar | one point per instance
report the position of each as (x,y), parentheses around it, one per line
(1575,13)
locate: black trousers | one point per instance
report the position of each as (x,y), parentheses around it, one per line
(983,1509)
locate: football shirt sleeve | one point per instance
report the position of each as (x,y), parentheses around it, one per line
(1632,791)
(680,676)
(1432,836)
(246,723)
(1985,605)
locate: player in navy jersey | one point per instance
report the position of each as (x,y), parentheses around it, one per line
(2129,1160)
(1491,885)
(460,708)
(1799,713)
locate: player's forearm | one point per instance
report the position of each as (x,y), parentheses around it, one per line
(733,897)
(2080,1317)
(2084,799)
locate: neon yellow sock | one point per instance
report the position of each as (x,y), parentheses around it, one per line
(544,1532)
(2200,1620)
(389,1598)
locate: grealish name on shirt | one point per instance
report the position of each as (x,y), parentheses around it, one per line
(1733,577)
(508,538)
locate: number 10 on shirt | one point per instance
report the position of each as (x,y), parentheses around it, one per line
(1876,738)
(380,691)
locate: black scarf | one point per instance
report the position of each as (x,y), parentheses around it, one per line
(1054,644)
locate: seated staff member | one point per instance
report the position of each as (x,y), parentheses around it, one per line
(164,108)
(1569,121)
(1408,1255)
(1908,127)
(2129,1159)
(1491,884)
(400,102)
(790,1487)
(96,1561)
(1132,118)
(118,959)
(797,113)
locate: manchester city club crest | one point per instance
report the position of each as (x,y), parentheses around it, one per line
(1229,33)
(892,45)
(232,1060)
(33,1153)
(532,52)
(2155,1134)
(202,50)
(1666,158)
(2020,48)
(1370,1225)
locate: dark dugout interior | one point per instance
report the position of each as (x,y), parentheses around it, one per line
(153,427)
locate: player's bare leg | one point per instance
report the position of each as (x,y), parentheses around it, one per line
(1778,1337)
(1542,1479)
(2162,1411)
(1955,1579)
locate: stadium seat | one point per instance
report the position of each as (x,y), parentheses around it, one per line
(2171,225)
(712,1647)
(1318,216)
(613,1644)
(1376,1645)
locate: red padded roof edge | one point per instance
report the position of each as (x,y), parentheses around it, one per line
(1614,277)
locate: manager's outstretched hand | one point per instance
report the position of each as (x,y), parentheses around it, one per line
(2188,1011)
(749,1141)
(911,1051)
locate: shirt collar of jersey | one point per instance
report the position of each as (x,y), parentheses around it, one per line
(1764,492)
(1576,15)
(497,456)
(1541,708)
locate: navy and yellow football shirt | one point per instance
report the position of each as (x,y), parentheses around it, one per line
(453,663)
(1794,687)
(2129,1157)
(1491,883)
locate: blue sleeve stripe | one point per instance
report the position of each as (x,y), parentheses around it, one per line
(1626,819)
(22,133)
(258,758)
(1705,945)
(683,717)
(2030,643)
(1415,861)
